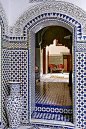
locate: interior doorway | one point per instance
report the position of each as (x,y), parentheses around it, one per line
(58,72)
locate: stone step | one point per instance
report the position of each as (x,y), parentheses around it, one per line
(24,127)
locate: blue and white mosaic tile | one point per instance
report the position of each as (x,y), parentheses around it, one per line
(59,17)
(19,73)
(5,79)
(19,69)
(14,105)
(18,45)
(80,89)
(81,46)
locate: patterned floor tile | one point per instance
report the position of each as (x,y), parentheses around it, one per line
(53,101)
(54,93)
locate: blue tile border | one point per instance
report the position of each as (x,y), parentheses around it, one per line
(42,108)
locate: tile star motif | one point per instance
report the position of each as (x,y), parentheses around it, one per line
(19,59)
(80,88)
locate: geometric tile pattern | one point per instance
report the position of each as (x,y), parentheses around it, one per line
(81,89)
(46,93)
(18,45)
(19,73)
(52,112)
(51,104)
(81,46)
(17,38)
(5,80)
(53,109)
(56,109)
(3,28)
(70,21)
(50,116)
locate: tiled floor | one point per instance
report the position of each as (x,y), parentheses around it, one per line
(52,98)
(55,93)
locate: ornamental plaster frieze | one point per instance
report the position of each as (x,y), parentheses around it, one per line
(49,7)
(4,19)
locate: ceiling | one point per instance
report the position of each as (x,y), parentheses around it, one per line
(48,34)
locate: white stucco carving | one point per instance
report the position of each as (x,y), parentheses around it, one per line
(49,7)
(3,16)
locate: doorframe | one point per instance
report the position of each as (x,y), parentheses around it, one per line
(31,33)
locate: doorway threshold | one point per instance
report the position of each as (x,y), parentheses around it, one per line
(51,122)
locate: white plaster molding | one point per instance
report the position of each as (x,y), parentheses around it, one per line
(3,16)
(49,7)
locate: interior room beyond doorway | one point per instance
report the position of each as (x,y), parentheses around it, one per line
(53,63)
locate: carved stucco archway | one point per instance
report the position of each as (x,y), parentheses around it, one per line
(3,20)
(48,7)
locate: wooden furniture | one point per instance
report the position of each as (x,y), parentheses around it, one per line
(67,61)
(59,67)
